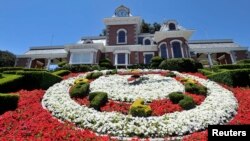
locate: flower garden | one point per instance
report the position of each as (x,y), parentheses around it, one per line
(126,104)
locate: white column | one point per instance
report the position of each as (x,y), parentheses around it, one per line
(126,59)
(232,58)
(172,51)
(15,62)
(48,63)
(116,59)
(210,59)
(182,52)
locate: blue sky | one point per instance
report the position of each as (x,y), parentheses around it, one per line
(26,23)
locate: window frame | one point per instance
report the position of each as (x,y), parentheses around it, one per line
(117,36)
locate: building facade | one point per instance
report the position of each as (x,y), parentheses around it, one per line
(124,45)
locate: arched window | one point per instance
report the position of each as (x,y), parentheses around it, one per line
(163,51)
(121,36)
(172,26)
(177,49)
(147,42)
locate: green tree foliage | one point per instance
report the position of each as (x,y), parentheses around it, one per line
(7,59)
(150,28)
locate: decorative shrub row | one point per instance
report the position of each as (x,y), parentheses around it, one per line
(94,75)
(238,77)
(30,80)
(97,99)
(61,72)
(139,109)
(10,83)
(180,64)
(244,61)
(8,102)
(232,66)
(186,102)
(3,69)
(80,89)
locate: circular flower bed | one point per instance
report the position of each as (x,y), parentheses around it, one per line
(151,87)
(218,108)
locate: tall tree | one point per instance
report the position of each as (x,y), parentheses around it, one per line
(7,59)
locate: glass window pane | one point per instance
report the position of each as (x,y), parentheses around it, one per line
(163,49)
(147,42)
(121,37)
(177,49)
(121,58)
(148,58)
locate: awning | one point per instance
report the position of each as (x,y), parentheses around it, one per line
(46,53)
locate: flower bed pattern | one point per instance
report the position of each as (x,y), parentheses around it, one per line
(218,108)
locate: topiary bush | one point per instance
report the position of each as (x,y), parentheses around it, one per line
(187,103)
(155,62)
(238,77)
(175,97)
(179,64)
(94,75)
(80,89)
(139,109)
(111,72)
(195,88)
(97,99)
(8,102)
(106,63)
(81,80)
(61,72)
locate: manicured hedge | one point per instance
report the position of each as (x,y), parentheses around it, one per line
(11,83)
(238,77)
(8,102)
(180,64)
(80,89)
(61,72)
(245,61)
(3,69)
(232,66)
(61,64)
(97,99)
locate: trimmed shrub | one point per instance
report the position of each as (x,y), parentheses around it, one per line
(139,66)
(81,80)
(61,72)
(97,99)
(171,74)
(139,109)
(94,75)
(187,103)
(179,64)
(106,63)
(61,64)
(80,68)
(232,66)
(205,72)
(38,79)
(111,72)
(8,102)
(95,67)
(239,77)
(155,62)
(244,61)
(195,88)
(80,89)
(175,97)
(2,69)
(10,83)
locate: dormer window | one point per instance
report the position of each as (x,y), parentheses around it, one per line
(172,26)
(121,36)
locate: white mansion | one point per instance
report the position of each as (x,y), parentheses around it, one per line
(124,45)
